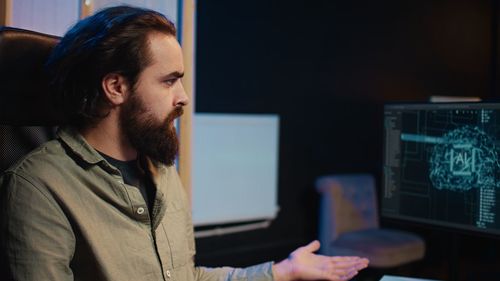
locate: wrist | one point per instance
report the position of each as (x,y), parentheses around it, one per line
(283,271)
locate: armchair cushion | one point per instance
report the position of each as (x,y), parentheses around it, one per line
(384,247)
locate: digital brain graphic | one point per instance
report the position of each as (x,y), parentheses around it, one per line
(465,158)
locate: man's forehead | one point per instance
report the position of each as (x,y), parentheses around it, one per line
(165,52)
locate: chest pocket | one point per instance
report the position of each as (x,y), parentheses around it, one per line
(175,227)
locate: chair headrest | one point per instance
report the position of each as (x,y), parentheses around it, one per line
(24,92)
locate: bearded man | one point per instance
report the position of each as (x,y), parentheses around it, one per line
(104,201)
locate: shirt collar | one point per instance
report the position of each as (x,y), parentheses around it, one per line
(78,145)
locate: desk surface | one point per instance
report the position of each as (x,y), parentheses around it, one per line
(400,278)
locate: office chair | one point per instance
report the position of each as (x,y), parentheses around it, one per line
(349,224)
(27,117)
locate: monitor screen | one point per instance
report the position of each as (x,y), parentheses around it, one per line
(442,166)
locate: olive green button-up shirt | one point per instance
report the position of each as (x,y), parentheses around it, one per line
(66,214)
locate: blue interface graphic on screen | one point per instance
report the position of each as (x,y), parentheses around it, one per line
(442,166)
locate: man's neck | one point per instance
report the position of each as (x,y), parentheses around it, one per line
(107,137)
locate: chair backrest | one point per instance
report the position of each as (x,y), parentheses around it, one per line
(27,116)
(348,203)
(24,95)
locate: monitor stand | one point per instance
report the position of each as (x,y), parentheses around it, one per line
(453,266)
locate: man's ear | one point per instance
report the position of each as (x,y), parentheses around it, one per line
(115,88)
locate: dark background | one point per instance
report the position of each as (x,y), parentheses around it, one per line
(327,67)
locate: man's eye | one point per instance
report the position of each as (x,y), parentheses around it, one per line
(171,82)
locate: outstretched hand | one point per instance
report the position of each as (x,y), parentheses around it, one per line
(304,264)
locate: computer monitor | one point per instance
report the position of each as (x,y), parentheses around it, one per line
(442,166)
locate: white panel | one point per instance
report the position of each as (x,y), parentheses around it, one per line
(235,168)
(166,7)
(46,16)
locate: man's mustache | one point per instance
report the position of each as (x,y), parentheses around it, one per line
(178,111)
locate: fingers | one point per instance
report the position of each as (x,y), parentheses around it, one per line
(347,258)
(357,262)
(341,275)
(349,275)
(309,266)
(363,263)
(345,268)
(313,246)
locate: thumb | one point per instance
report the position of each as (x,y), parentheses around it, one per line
(313,246)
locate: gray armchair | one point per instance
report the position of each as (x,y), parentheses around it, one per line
(349,224)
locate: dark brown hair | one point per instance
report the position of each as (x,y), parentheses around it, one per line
(114,40)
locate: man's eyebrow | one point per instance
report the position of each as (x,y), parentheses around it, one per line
(175,74)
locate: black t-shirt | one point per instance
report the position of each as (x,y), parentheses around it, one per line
(132,175)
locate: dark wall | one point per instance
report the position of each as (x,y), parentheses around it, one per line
(327,67)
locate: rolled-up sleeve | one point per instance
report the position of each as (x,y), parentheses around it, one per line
(260,272)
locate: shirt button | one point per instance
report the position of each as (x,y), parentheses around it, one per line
(140,210)
(168,273)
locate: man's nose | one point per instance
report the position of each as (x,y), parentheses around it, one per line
(181,97)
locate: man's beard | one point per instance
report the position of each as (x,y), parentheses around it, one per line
(149,136)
